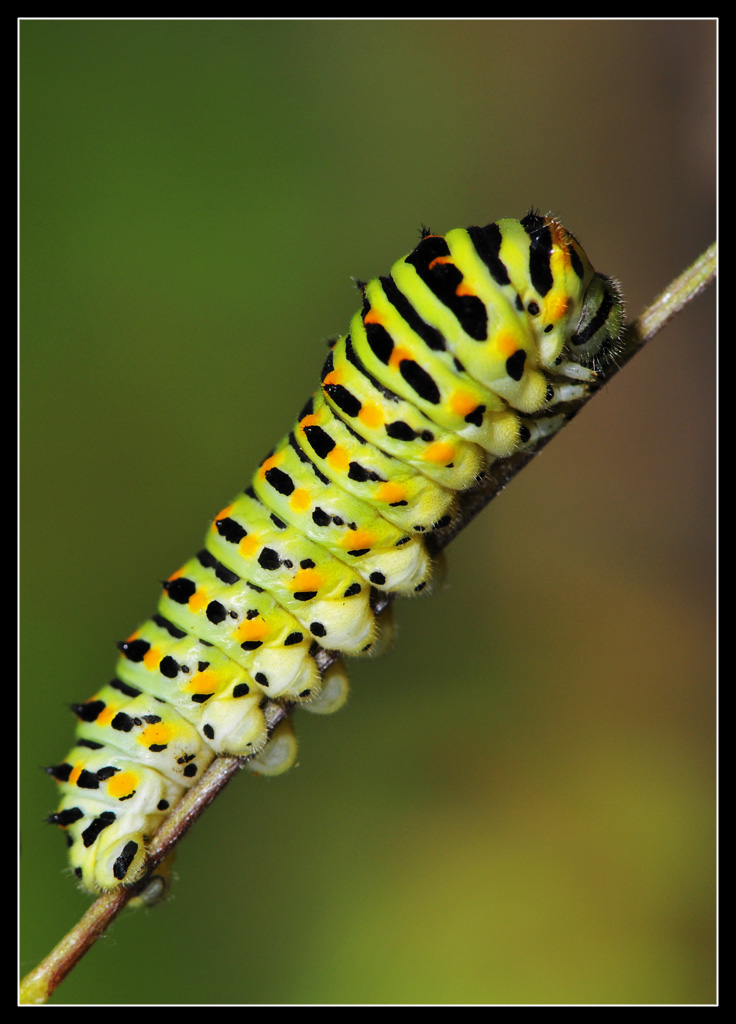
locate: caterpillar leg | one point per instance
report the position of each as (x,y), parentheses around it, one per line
(335,690)
(157,886)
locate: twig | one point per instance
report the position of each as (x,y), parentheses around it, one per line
(40,983)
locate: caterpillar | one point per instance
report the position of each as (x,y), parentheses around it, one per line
(477,344)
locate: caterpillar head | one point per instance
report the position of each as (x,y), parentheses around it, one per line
(594,340)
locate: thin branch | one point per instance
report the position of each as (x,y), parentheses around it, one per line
(39,984)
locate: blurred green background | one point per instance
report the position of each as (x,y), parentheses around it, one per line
(517,805)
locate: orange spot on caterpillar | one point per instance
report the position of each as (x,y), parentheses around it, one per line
(123,784)
(391,492)
(158,734)
(338,458)
(506,343)
(269,463)
(440,260)
(252,629)
(357,540)
(152,658)
(307,580)
(462,403)
(223,514)
(334,377)
(397,355)
(106,715)
(198,600)
(556,308)
(371,415)
(249,545)
(203,682)
(439,452)
(299,500)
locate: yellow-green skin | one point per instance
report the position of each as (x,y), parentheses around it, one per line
(477,344)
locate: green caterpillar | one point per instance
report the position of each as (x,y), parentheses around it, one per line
(478,343)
